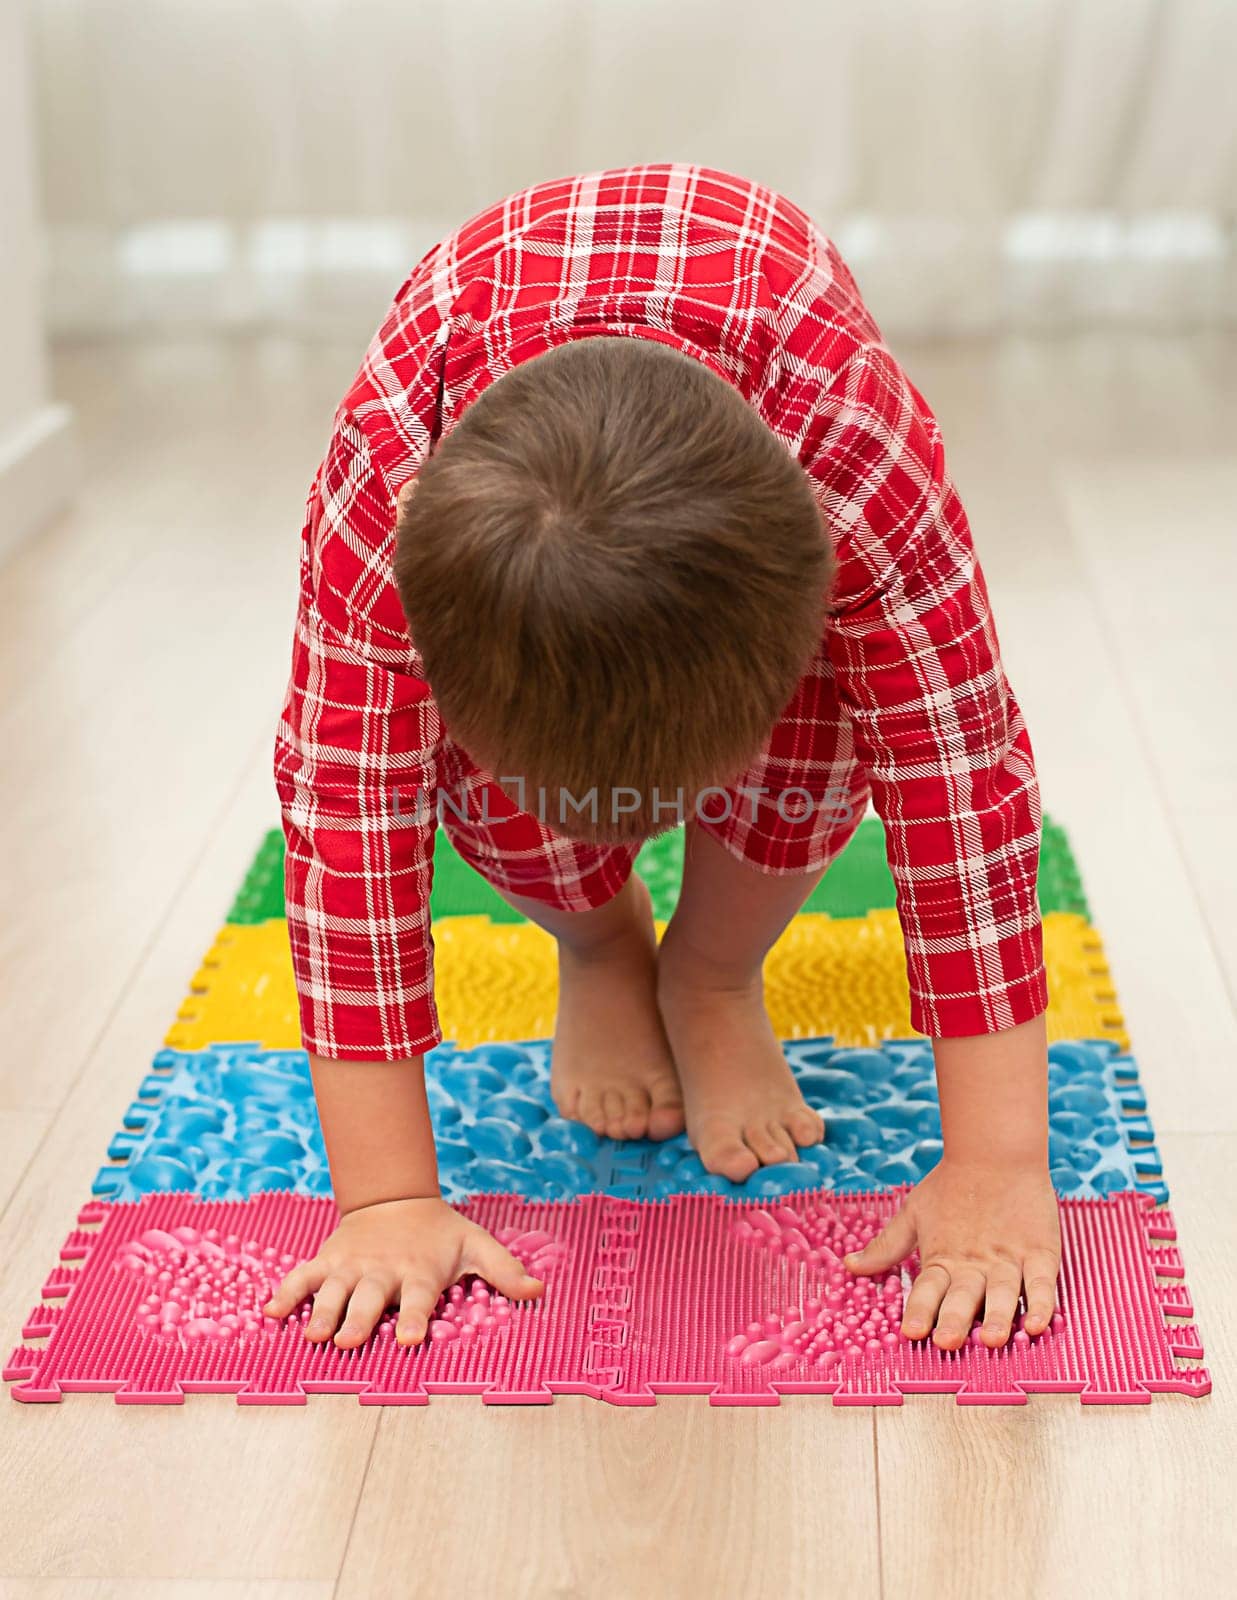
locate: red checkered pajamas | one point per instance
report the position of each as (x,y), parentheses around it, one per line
(906,700)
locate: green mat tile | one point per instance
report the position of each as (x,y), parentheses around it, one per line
(459,891)
(1060,882)
(660,864)
(260,896)
(858,881)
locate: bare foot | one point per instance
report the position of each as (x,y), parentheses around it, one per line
(744,1109)
(611,1066)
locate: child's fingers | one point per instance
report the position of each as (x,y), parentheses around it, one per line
(956,1316)
(369,1300)
(417,1298)
(300,1283)
(498,1266)
(1039,1272)
(1000,1306)
(924,1301)
(893,1244)
(329,1303)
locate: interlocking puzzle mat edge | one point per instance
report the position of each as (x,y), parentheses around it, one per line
(690,1295)
(825,975)
(758,1346)
(227,1122)
(858,881)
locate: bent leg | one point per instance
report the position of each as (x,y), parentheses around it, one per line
(742,1105)
(611,1066)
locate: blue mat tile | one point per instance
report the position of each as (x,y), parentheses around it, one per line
(234,1120)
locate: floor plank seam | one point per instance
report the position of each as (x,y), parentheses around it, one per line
(876,1484)
(130,979)
(1133,711)
(356,1508)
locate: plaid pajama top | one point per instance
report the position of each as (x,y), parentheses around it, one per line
(906,701)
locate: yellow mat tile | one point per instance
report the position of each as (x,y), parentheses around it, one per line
(498,981)
(243,991)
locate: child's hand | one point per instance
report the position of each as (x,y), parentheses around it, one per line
(982,1233)
(401,1253)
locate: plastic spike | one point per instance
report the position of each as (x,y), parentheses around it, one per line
(1175,1300)
(1185,1342)
(58,1282)
(42,1319)
(22,1364)
(687,1296)
(842,977)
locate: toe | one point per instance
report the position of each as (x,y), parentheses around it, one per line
(666,1121)
(589,1110)
(771,1143)
(635,1120)
(805,1127)
(566,1099)
(725,1153)
(665,1118)
(614,1112)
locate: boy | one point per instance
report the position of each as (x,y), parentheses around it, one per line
(630,516)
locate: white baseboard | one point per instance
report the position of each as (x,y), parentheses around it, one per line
(39,470)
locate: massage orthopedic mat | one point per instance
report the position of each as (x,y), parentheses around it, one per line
(235,1120)
(856,883)
(840,976)
(694,1295)
(660,1278)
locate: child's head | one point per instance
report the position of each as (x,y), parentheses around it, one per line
(615,575)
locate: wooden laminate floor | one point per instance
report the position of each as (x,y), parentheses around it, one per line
(143,643)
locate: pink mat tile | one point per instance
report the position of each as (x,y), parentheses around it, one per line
(692,1295)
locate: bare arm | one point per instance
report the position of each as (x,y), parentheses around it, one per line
(376,1126)
(994,1096)
(985,1219)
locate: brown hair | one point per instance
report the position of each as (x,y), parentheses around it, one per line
(615,575)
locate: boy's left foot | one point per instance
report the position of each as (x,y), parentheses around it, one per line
(611,1066)
(744,1109)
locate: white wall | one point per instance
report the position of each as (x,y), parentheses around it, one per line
(982,164)
(37,460)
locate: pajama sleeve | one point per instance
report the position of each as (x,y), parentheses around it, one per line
(918,667)
(354,752)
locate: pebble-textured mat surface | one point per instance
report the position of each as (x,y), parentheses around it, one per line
(660,1278)
(229,1122)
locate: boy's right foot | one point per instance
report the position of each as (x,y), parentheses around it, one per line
(611,1068)
(744,1108)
